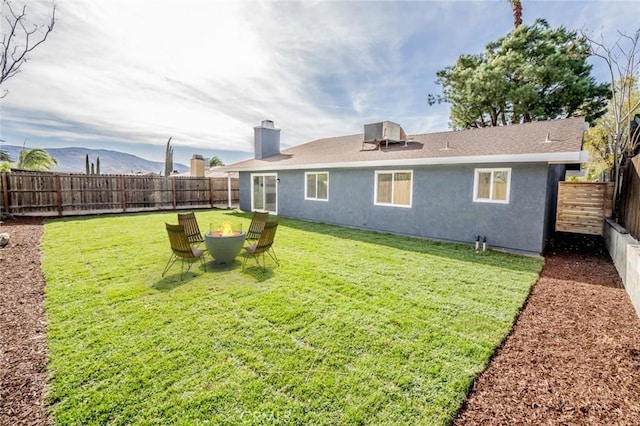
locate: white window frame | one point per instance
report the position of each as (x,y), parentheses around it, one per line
(306,195)
(392,173)
(264,175)
(476,181)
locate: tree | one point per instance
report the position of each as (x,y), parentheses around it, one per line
(168,158)
(599,140)
(3,154)
(517,12)
(5,160)
(91,168)
(19,38)
(623,61)
(215,161)
(36,159)
(533,73)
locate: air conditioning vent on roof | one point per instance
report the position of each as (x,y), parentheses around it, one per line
(383,131)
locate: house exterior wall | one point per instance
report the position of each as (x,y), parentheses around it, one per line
(442,204)
(556,174)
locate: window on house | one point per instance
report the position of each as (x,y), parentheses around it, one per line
(317,186)
(492,185)
(393,188)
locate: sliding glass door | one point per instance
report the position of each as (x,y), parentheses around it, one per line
(264,194)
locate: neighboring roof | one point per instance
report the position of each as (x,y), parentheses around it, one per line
(555,141)
(216,172)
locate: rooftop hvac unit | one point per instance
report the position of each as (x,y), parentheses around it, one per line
(383,131)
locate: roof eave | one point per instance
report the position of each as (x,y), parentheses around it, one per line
(550,158)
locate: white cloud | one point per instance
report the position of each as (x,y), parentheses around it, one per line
(206,72)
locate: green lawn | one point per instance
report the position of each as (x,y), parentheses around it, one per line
(353,327)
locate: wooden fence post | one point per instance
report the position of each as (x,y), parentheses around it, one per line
(5,192)
(173,192)
(58,186)
(229,189)
(124,194)
(211,197)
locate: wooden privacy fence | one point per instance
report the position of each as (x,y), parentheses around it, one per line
(583,206)
(59,194)
(629,216)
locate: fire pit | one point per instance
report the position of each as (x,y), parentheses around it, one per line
(225,243)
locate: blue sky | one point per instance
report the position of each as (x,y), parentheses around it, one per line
(128,74)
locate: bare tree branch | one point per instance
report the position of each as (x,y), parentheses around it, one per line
(623,61)
(20,39)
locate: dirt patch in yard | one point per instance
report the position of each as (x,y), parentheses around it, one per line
(573,356)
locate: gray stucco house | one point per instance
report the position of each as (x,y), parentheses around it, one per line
(498,182)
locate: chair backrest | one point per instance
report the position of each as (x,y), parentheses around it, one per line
(191,228)
(266,237)
(257,224)
(180,245)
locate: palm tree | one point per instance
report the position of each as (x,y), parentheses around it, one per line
(36,159)
(517,12)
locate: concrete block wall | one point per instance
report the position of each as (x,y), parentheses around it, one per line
(625,253)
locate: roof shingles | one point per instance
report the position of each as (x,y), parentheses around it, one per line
(542,137)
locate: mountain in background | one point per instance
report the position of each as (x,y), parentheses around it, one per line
(72,160)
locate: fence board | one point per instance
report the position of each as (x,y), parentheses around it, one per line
(629,216)
(583,206)
(50,194)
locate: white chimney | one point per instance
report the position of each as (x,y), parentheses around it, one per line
(266,140)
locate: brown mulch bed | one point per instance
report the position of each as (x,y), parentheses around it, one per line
(23,345)
(573,356)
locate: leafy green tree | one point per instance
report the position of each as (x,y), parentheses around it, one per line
(168,158)
(533,73)
(36,159)
(215,161)
(4,156)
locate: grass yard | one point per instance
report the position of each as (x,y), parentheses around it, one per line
(353,327)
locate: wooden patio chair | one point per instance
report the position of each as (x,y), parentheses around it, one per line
(257,224)
(263,245)
(191,228)
(182,249)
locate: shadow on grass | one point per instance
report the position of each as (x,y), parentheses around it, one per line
(448,250)
(170,282)
(256,272)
